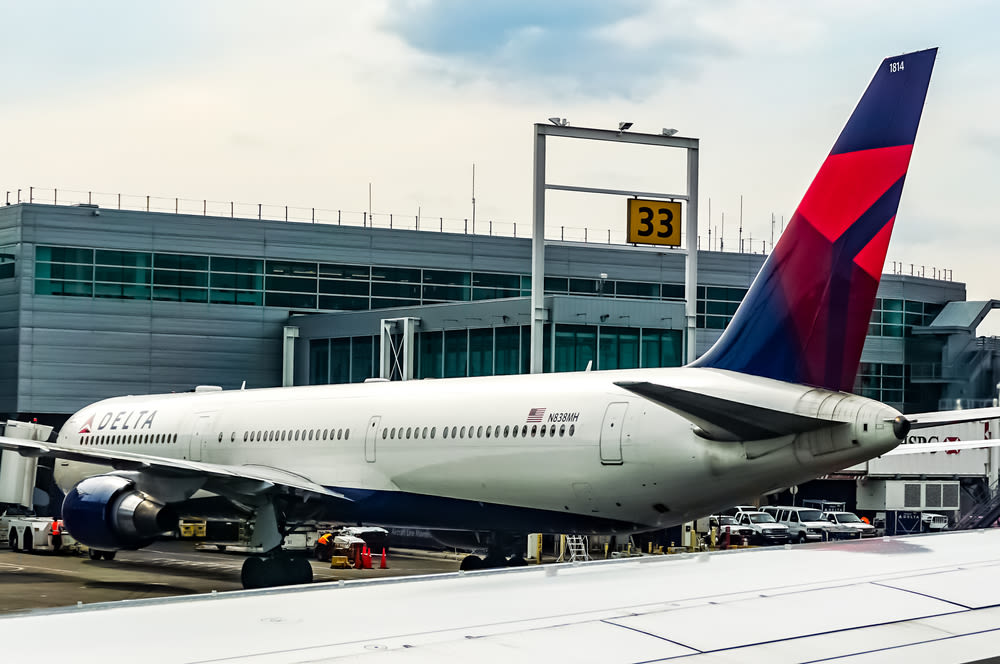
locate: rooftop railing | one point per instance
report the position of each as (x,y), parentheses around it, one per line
(418,222)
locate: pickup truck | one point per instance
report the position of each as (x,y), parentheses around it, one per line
(766,530)
(27,533)
(850,520)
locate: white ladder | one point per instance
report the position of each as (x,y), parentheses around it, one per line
(577,546)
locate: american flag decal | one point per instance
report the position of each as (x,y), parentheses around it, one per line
(536,414)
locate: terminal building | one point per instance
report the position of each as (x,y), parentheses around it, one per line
(102,302)
(98,302)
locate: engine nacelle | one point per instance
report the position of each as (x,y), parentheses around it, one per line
(108,512)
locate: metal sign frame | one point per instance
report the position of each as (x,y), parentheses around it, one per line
(540,186)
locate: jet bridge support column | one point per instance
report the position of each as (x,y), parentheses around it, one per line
(17,473)
(288,355)
(396,348)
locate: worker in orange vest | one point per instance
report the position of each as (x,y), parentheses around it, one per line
(324,546)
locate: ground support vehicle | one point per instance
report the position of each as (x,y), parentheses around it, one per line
(36,533)
(766,529)
(850,520)
(932,523)
(721,523)
(806,524)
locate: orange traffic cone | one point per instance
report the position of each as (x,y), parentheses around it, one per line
(368,557)
(383,564)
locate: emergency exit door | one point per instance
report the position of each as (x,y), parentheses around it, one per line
(371,437)
(611,433)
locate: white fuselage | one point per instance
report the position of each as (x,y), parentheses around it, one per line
(609,460)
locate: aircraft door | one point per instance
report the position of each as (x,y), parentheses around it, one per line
(200,433)
(370,437)
(611,433)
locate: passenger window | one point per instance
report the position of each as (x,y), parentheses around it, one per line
(534,430)
(562,430)
(409,430)
(552,431)
(488,431)
(572,429)
(425,433)
(340,432)
(347,434)
(433,431)
(463,432)
(541,431)
(454,431)
(385,433)
(444,432)
(313,432)
(506,431)
(479,432)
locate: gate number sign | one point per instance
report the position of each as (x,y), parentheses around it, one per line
(654,222)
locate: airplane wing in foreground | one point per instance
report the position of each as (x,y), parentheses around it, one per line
(895,599)
(227,480)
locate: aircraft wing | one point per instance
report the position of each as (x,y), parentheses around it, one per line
(227,479)
(898,599)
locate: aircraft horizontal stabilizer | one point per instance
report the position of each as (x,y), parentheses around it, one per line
(942,417)
(725,420)
(946,446)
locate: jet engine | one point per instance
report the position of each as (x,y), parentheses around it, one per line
(109,512)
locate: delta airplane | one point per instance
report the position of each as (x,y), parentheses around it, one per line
(591,452)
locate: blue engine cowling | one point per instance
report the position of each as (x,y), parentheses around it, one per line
(108,512)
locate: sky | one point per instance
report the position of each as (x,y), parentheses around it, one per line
(386,106)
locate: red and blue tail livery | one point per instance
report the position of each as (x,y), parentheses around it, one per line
(805,318)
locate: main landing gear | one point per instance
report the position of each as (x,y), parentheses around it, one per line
(276,567)
(496,555)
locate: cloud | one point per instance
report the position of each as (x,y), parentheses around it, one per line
(588,48)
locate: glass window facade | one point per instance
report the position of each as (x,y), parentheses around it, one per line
(897,318)
(500,351)
(77,271)
(882,382)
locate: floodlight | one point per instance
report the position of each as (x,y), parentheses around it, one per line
(668,132)
(559,122)
(624,126)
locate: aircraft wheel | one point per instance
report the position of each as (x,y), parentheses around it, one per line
(28,544)
(252,574)
(108,555)
(303,571)
(470,563)
(12,540)
(94,554)
(516,561)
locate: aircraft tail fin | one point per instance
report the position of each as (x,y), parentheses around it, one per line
(805,318)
